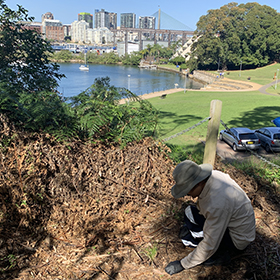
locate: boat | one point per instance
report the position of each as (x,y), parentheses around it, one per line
(84,67)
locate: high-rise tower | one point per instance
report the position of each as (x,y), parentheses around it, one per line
(87,17)
(103,18)
(128,20)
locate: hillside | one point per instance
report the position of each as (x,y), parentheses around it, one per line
(94,211)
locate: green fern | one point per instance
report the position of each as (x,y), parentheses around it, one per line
(101,116)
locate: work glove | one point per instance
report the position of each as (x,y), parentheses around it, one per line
(174,267)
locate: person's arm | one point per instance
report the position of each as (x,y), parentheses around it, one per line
(214,229)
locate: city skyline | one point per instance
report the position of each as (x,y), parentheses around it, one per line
(187,12)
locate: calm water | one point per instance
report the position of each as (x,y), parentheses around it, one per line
(140,81)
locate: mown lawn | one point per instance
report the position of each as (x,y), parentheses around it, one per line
(262,76)
(179,111)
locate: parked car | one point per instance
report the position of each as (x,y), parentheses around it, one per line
(240,138)
(270,138)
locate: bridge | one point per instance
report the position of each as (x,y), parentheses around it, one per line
(165,21)
(156,35)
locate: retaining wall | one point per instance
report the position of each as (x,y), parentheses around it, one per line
(204,77)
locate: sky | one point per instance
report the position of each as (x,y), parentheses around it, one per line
(187,12)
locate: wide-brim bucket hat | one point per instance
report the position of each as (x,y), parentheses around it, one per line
(187,174)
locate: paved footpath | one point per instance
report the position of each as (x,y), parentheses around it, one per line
(155,94)
(263,88)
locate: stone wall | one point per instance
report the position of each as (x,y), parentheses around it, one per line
(204,77)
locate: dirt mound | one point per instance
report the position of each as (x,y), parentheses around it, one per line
(94,211)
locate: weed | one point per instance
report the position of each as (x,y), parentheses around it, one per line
(23,203)
(260,170)
(151,252)
(11,260)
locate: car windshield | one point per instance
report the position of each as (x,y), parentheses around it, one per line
(276,136)
(247,136)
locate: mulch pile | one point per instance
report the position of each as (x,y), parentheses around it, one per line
(95,211)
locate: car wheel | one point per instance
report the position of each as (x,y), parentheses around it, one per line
(221,137)
(234,147)
(267,148)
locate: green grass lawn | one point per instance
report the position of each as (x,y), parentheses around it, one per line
(179,111)
(262,75)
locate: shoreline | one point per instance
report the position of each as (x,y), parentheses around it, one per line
(255,87)
(155,94)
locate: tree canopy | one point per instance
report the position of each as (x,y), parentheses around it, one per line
(24,59)
(28,79)
(247,34)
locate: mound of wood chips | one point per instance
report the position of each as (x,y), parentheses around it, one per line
(95,211)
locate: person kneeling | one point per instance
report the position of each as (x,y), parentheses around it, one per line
(220,225)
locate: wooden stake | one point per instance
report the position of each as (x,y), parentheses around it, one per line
(212,132)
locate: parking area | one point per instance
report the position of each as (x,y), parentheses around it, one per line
(227,153)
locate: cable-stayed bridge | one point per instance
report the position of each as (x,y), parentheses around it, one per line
(165,21)
(159,35)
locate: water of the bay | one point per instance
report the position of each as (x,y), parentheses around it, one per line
(137,80)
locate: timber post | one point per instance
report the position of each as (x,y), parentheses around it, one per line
(212,132)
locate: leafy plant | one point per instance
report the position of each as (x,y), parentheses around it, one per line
(29,80)
(10,260)
(261,170)
(101,116)
(151,252)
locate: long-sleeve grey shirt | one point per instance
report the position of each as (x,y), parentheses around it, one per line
(224,205)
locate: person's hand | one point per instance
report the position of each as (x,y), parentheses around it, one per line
(174,267)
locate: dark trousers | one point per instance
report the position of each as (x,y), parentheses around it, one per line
(195,224)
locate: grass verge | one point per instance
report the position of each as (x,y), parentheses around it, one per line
(179,111)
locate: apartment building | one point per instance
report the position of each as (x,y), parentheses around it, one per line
(128,20)
(37,26)
(113,20)
(99,36)
(79,31)
(52,29)
(103,18)
(147,22)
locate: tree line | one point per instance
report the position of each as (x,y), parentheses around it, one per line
(247,34)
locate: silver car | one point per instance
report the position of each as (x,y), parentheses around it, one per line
(240,138)
(270,138)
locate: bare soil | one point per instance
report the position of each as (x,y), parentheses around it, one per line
(95,211)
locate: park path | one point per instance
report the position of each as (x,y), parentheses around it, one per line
(155,94)
(263,88)
(253,87)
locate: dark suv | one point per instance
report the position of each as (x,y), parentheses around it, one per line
(270,138)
